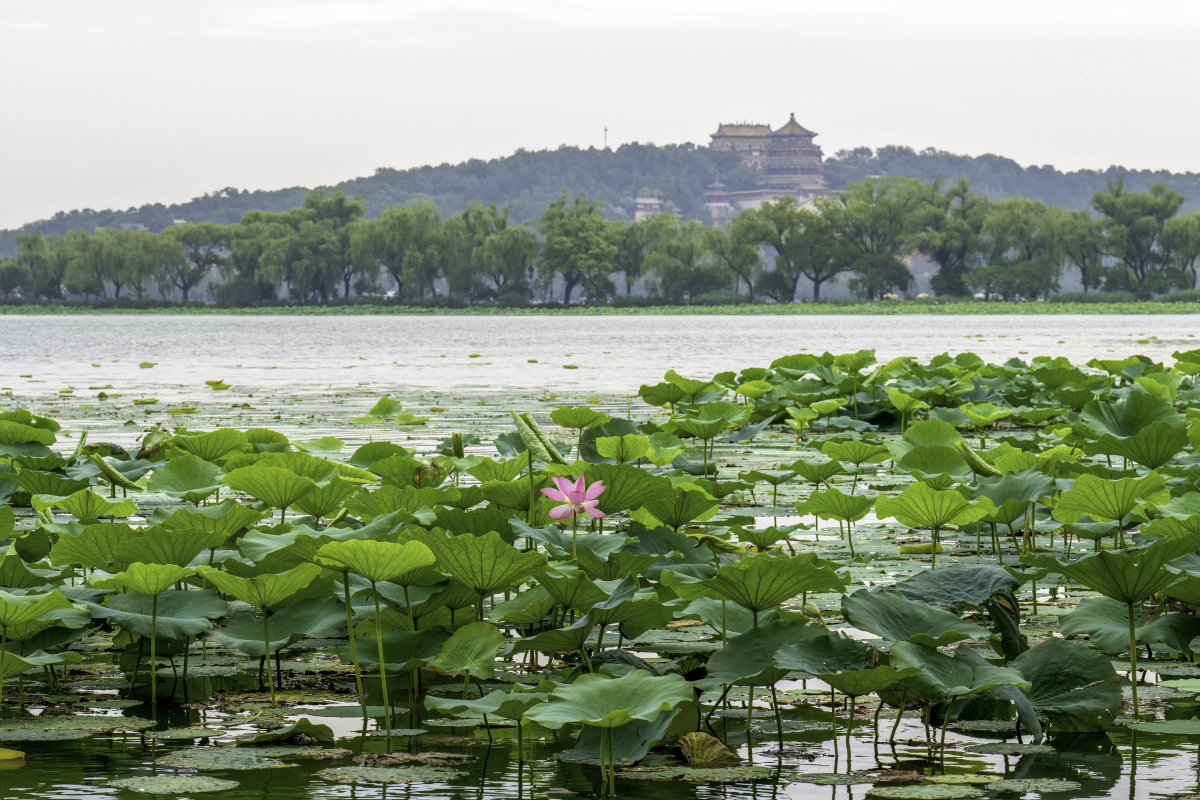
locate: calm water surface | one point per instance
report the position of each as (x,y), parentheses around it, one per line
(614,355)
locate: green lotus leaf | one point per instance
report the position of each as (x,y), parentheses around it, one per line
(390,775)
(176,785)
(371,452)
(1176,631)
(490,470)
(214,445)
(378,561)
(942,677)
(506,705)
(613,566)
(920,506)
(627,487)
(1152,446)
(1012,493)
(161,546)
(685,504)
(269,592)
(578,417)
(278,488)
(1104,621)
(87,505)
(560,640)
(18,610)
(816,471)
(12,665)
(117,476)
(147,579)
(485,563)
(300,729)
(933,460)
(325,445)
(1174,727)
(596,700)
(748,659)
(896,618)
(856,452)
(36,482)
(763,581)
(402,471)
(1130,576)
(696,428)
(1073,688)
(1110,500)
(313,618)
(623,449)
(577,592)
(325,501)
(95,547)
(833,504)
(929,432)
(924,791)
(186,477)
(1127,417)
(403,651)
(472,648)
(983,414)
(12,432)
(227,518)
(179,614)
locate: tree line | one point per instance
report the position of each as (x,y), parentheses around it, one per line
(869,234)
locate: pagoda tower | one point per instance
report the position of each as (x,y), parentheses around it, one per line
(793,162)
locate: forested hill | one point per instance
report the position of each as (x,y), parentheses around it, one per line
(676,173)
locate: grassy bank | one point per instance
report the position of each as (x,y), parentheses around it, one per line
(877,308)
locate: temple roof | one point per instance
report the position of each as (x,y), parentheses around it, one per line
(740,129)
(793,128)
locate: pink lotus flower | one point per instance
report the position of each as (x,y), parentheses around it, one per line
(577,499)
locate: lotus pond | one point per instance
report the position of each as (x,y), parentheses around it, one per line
(820,576)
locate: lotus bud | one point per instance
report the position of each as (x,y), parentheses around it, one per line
(456,441)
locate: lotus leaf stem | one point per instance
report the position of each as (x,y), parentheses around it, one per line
(153,663)
(899,714)
(387,708)
(362,698)
(1133,659)
(266,654)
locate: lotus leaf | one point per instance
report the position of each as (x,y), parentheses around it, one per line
(269,592)
(87,505)
(684,505)
(764,581)
(900,619)
(301,729)
(94,547)
(177,785)
(1126,418)
(214,445)
(924,791)
(147,579)
(596,700)
(277,487)
(1110,500)
(378,561)
(390,775)
(1073,688)
(161,546)
(485,563)
(179,614)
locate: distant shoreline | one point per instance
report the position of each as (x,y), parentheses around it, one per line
(883,308)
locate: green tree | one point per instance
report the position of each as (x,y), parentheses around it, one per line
(508,259)
(577,247)
(873,223)
(12,277)
(90,261)
(335,213)
(634,242)
(1181,239)
(1081,237)
(1133,225)
(803,244)
(202,246)
(735,247)
(397,242)
(681,265)
(1025,251)
(949,228)
(45,261)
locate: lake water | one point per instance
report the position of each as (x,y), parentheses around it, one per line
(614,355)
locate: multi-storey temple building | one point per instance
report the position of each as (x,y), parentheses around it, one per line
(788,162)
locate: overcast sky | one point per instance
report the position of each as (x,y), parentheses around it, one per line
(114,104)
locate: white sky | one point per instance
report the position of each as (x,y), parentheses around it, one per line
(122,102)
